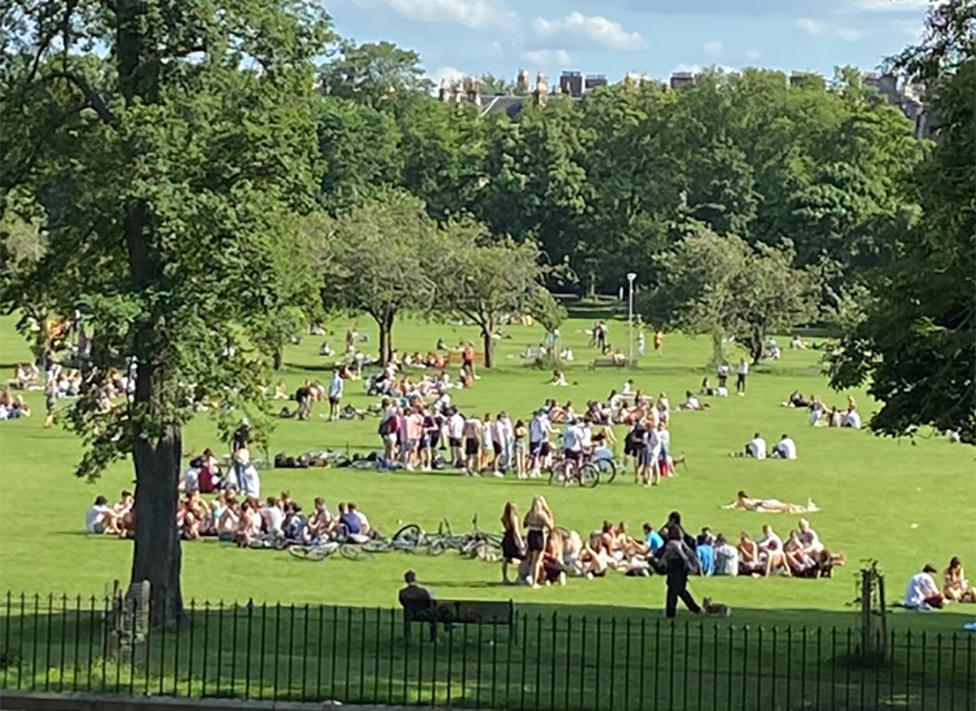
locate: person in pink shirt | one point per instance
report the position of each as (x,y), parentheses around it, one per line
(415,430)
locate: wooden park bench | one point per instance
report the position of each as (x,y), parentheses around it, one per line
(607,362)
(459,612)
(454,358)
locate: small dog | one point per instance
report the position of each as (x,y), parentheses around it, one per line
(715,608)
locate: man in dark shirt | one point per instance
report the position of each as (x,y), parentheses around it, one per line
(418,605)
(679,560)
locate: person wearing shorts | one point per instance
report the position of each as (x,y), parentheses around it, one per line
(472,446)
(335,393)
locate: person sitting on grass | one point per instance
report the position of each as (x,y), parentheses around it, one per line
(801,563)
(693,403)
(771,551)
(750,562)
(249,525)
(922,592)
(756,447)
(100,518)
(726,557)
(956,587)
(785,448)
(558,378)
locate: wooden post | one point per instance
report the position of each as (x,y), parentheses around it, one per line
(884,617)
(867,578)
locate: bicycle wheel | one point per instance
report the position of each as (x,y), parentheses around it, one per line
(407,537)
(607,469)
(354,551)
(435,548)
(589,476)
(376,545)
(310,553)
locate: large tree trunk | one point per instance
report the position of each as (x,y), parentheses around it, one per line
(489,344)
(158,556)
(156,444)
(757,345)
(385,322)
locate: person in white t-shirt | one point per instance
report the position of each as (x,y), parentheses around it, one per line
(539,430)
(335,393)
(455,435)
(922,592)
(756,448)
(785,448)
(504,440)
(852,419)
(99,518)
(272,516)
(741,371)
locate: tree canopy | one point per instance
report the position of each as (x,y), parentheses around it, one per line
(916,342)
(165,141)
(709,283)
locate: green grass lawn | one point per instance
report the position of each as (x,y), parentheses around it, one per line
(901,502)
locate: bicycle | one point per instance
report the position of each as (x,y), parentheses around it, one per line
(566,471)
(314,553)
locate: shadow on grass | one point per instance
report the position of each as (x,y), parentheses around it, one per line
(586,658)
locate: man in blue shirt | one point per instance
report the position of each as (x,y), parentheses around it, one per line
(706,551)
(653,539)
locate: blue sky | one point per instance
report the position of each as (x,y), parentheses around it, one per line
(653,37)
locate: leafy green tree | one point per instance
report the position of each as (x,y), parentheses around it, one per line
(375,258)
(916,345)
(484,280)
(722,286)
(360,152)
(442,151)
(378,74)
(164,139)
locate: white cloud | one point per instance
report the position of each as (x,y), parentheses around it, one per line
(713,50)
(473,14)
(890,5)
(547,57)
(753,54)
(809,25)
(818,27)
(448,73)
(848,33)
(588,30)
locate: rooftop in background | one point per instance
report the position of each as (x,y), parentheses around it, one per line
(574,85)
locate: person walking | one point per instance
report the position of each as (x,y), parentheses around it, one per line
(679,560)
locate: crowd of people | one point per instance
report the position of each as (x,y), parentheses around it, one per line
(822,415)
(543,552)
(247,521)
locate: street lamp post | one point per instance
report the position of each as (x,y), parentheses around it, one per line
(630,318)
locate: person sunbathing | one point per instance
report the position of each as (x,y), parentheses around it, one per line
(592,558)
(747,503)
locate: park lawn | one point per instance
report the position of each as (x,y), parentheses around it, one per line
(900,502)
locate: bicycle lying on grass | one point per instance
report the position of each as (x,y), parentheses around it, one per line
(410,538)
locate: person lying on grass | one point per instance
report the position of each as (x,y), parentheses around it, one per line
(747,503)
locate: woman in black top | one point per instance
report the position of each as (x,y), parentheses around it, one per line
(511,540)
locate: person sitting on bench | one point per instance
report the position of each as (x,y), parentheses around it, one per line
(419,605)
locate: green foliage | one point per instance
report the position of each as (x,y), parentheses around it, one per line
(917,343)
(360,153)
(377,74)
(164,177)
(720,285)
(485,281)
(374,258)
